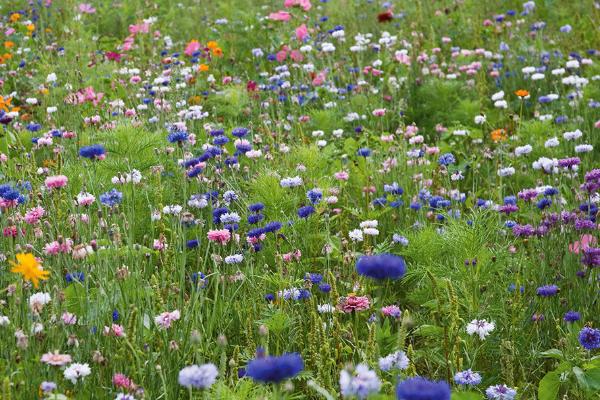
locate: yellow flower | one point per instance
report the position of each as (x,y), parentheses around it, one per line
(30,268)
(15,17)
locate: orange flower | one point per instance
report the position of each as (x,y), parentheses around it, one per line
(194,100)
(522,93)
(8,44)
(217,52)
(212,45)
(15,17)
(498,135)
(30,268)
(203,67)
(5,103)
(31,27)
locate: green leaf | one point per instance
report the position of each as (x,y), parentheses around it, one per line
(549,386)
(466,396)
(429,330)
(553,353)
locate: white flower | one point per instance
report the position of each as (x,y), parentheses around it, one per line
(552,142)
(172,209)
(508,171)
(4,321)
(480,327)
(371,231)
(369,224)
(356,235)
(519,151)
(576,134)
(584,148)
(51,78)
(498,96)
(397,360)
(572,64)
(549,165)
(38,300)
(325,308)
(360,383)
(480,119)
(537,77)
(76,371)
(501,104)
(200,377)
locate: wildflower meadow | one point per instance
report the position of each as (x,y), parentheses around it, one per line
(300,199)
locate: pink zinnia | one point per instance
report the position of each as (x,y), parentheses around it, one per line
(56,182)
(222,236)
(354,303)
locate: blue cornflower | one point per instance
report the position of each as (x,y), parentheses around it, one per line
(177,136)
(544,203)
(272,226)
(325,287)
(272,369)
(92,152)
(111,198)
(467,377)
(221,140)
(589,338)
(571,316)
(364,152)
(446,159)
(217,212)
(256,207)
(381,266)
(306,211)
(314,195)
(75,277)
(255,218)
(115,315)
(199,279)
(547,290)
(419,388)
(192,244)
(315,279)
(239,132)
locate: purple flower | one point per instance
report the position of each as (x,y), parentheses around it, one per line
(547,290)
(589,338)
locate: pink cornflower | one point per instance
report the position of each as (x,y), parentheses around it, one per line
(56,182)
(301,32)
(68,318)
(341,175)
(34,215)
(166,319)
(391,311)
(222,236)
(114,330)
(379,112)
(122,381)
(56,359)
(86,8)
(354,303)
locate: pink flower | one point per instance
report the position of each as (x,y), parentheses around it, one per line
(354,303)
(379,112)
(122,381)
(280,16)
(165,319)
(114,330)
(301,32)
(68,318)
(584,243)
(341,176)
(281,55)
(304,4)
(296,56)
(34,215)
(391,311)
(56,359)
(222,236)
(192,47)
(56,182)
(86,8)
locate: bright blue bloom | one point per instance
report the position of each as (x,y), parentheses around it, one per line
(381,266)
(272,226)
(274,369)
(111,198)
(446,159)
(177,137)
(419,388)
(92,152)
(306,211)
(571,316)
(589,338)
(547,290)
(364,152)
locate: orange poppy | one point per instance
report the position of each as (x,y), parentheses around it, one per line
(498,135)
(522,93)
(217,52)
(8,44)
(212,45)
(203,67)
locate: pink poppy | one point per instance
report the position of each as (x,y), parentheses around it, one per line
(301,32)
